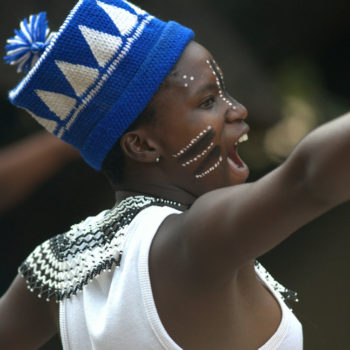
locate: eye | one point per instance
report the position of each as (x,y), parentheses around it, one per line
(208,102)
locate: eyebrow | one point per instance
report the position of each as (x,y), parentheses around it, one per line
(198,147)
(206,87)
(214,153)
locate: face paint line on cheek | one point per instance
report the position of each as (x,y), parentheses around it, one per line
(212,168)
(206,165)
(192,142)
(197,157)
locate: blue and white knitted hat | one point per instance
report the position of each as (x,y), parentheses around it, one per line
(96,74)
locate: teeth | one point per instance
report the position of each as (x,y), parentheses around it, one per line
(243,138)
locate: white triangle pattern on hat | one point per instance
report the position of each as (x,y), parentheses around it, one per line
(80,77)
(57,103)
(123,19)
(49,125)
(102,45)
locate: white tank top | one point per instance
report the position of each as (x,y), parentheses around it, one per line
(116,311)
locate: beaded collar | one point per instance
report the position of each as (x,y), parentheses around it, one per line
(64,264)
(61,266)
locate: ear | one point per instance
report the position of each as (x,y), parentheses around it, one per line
(138,146)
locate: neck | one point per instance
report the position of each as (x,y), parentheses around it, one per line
(165,192)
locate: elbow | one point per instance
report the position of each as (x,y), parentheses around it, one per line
(315,181)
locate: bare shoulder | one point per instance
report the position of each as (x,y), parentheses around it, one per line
(226,228)
(23,313)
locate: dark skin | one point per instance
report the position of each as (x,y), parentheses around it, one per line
(29,162)
(201,261)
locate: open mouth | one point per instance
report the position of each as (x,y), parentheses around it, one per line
(233,158)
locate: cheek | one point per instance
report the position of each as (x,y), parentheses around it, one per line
(210,168)
(196,140)
(200,156)
(197,157)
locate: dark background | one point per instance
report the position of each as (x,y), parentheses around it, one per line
(288,62)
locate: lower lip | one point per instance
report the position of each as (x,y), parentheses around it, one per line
(240,171)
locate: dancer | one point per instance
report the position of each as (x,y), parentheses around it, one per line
(173,264)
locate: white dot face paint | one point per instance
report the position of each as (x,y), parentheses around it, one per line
(221,88)
(199,156)
(192,142)
(220,82)
(212,168)
(185,77)
(209,148)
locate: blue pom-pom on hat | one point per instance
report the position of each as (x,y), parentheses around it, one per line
(30,41)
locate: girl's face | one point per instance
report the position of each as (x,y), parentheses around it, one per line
(199,126)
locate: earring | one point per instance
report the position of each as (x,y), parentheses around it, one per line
(157,159)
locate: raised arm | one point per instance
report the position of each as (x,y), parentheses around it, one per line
(235,224)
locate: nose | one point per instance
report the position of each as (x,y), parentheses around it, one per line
(235,110)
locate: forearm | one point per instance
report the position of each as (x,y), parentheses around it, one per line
(26,322)
(325,156)
(29,162)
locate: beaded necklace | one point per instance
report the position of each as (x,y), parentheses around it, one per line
(61,266)
(64,264)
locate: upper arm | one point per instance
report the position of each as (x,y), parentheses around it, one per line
(26,322)
(230,226)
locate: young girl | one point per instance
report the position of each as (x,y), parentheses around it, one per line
(172,265)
